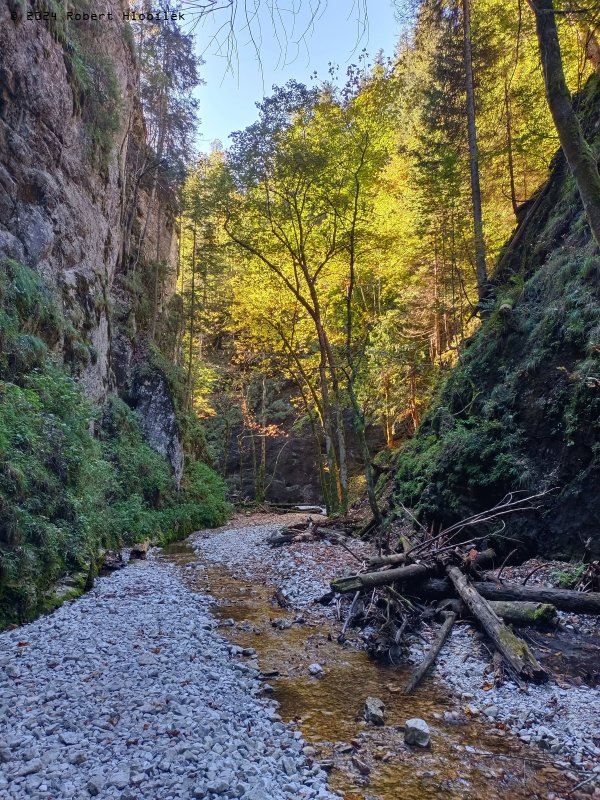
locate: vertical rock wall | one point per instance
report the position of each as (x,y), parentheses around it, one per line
(62,210)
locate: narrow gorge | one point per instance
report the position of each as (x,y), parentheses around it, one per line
(299,400)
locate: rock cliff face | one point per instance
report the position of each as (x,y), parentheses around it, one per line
(66,195)
(291,467)
(150,396)
(291,462)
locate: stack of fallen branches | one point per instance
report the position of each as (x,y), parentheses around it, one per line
(448,568)
(308,531)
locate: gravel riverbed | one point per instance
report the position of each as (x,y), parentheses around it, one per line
(302,571)
(129,692)
(563,721)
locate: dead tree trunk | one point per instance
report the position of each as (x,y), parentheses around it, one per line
(509,149)
(514,612)
(370,579)
(563,599)
(480,264)
(432,654)
(524,613)
(513,649)
(483,560)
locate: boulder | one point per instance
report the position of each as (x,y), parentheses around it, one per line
(374,710)
(416,732)
(140,550)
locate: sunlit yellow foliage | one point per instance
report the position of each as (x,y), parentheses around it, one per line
(363,192)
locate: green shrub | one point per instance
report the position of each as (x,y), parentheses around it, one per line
(64,493)
(569,577)
(52,482)
(472,463)
(205,489)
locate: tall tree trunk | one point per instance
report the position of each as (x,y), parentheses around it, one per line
(332,402)
(413,408)
(389,422)
(480,265)
(336,405)
(317,437)
(157,276)
(335,491)
(436,341)
(261,481)
(359,424)
(192,313)
(341,442)
(302,380)
(509,148)
(160,147)
(578,153)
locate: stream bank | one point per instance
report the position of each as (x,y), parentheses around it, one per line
(129,692)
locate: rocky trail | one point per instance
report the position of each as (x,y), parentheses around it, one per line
(208,670)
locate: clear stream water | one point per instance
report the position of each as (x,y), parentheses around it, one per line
(464,761)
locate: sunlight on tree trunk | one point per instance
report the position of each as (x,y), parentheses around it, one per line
(579,155)
(480,264)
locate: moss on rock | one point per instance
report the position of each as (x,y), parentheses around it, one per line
(521,410)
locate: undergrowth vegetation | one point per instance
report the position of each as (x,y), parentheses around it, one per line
(74,479)
(524,392)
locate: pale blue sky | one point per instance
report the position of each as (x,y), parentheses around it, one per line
(227,101)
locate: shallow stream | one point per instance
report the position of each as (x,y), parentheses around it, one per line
(473,760)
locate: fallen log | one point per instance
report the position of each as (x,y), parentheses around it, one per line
(432,654)
(518,612)
(307,533)
(513,649)
(279,539)
(482,560)
(287,508)
(562,599)
(514,612)
(369,579)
